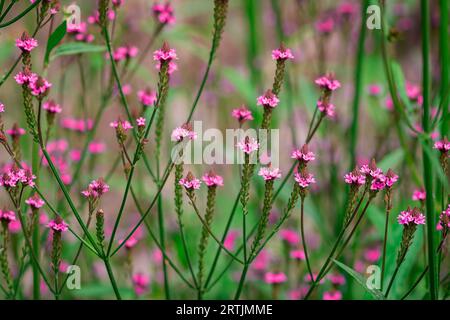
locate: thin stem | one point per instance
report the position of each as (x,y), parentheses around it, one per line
(358,84)
(19,16)
(302,232)
(427,165)
(385,240)
(112,279)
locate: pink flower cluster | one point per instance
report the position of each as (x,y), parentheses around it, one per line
(248,145)
(290,236)
(185,131)
(242,114)
(58,225)
(304,179)
(164,13)
(125,52)
(282,54)
(303,155)
(444,218)
(15,131)
(39,86)
(327,82)
(79,125)
(147,97)
(190,182)
(419,195)
(2,107)
(275,277)
(80,32)
(409,217)
(269,99)
(140,283)
(13,176)
(35,202)
(7,216)
(442,145)
(212,180)
(355,178)
(165,54)
(124,124)
(269,173)
(52,107)
(96,189)
(26,43)
(326,108)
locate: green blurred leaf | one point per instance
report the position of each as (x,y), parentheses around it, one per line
(360,279)
(54,40)
(72,48)
(391,160)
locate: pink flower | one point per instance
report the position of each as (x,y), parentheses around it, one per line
(327,82)
(269,99)
(58,225)
(371,170)
(147,97)
(140,122)
(443,145)
(304,179)
(96,189)
(230,239)
(297,254)
(413,91)
(185,131)
(212,180)
(303,154)
(13,176)
(325,25)
(26,43)
(117,3)
(332,295)
(52,107)
(270,174)
(140,283)
(26,77)
(190,182)
(379,183)
(419,195)
(326,108)
(96,147)
(165,53)
(282,53)
(275,277)
(35,202)
(261,261)
(172,66)
(164,13)
(15,131)
(374,90)
(130,243)
(248,145)
(125,125)
(409,216)
(337,279)
(2,107)
(242,114)
(444,218)
(125,52)
(372,255)
(391,178)
(7,216)
(39,87)
(290,236)
(355,178)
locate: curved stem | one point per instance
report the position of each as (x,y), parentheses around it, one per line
(302,232)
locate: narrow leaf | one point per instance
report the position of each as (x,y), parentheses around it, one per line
(54,40)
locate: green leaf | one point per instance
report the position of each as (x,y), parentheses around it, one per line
(399,80)
(391,160)
(54,40)
(72,48)
(360,279)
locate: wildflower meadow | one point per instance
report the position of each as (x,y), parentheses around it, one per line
(224,150)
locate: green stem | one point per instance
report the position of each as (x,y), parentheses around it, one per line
(19,16)
(444,55)
(112,279)
(302,232)
(358,84)
(385,240)
(427,165)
